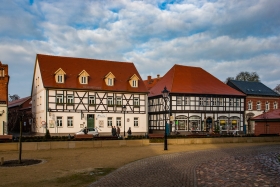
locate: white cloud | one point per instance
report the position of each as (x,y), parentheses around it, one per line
(223,37)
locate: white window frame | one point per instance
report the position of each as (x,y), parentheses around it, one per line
(250,104)
(110,82)
(59,98)
(187,100)
(136,122)
(118,101)
(214,101)
(136,102)
(267,106)
(258,105)
(60,78)
(201,101)
(70,121)
(221,101)
(118,121)
(91,100)
(110,101)
(207,101)
(179,100)
(275,106)
(59,121)
(84,80)
(237,102)
(70,99)
(134,83)
(230,101)
(109,121)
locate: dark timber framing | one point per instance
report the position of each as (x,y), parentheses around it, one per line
(203,108)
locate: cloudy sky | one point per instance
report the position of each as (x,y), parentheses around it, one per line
(224,37)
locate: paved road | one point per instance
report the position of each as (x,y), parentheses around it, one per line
(250,166)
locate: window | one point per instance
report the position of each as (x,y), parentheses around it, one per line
(136,101)
(267,105)
(207,102)
(119,122)
(237,102)
(59,99)
(187,100)
(119,101)
(134,83)
(258,106)
(110,82)
(136,122)
(84,80)
(214,101)
(69,121)
(60,78)
(250,105)
(69,99)
(221,102)
(91,100)
(110,101)
(275,105)
(230,102)
(179,100)
(2,72)
(201,101)
(59,121)
(109,121)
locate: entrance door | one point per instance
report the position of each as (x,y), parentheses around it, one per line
(209,124)
(90,120)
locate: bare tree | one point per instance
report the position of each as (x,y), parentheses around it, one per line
(246,76)
(277,89)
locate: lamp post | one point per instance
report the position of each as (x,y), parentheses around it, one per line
(165,94)
(124,110)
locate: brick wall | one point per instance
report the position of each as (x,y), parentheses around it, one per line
(262,101)
(4,80)
(267,128)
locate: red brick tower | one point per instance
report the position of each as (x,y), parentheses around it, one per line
(4,82)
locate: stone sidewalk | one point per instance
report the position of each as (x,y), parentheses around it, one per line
(242,166)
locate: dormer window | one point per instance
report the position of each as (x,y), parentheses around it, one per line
(83,77)
(110,82)
(60,76)
(84,80)
(133,81)
(109,79)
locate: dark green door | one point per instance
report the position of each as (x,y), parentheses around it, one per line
(90,120)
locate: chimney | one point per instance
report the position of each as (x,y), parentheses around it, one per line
(149,78)
(158,76)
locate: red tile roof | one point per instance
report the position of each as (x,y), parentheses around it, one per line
(192,80)
(18,102)
(274,114)
(149,83)
(97,69)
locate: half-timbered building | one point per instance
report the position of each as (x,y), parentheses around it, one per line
(4,83)
(197,102)
(259,98)
(72,93)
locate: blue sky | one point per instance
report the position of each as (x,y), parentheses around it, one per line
(223,37)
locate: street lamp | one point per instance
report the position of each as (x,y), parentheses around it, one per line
(124,110)
(165,94)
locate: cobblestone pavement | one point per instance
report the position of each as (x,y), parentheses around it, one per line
(250,166)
